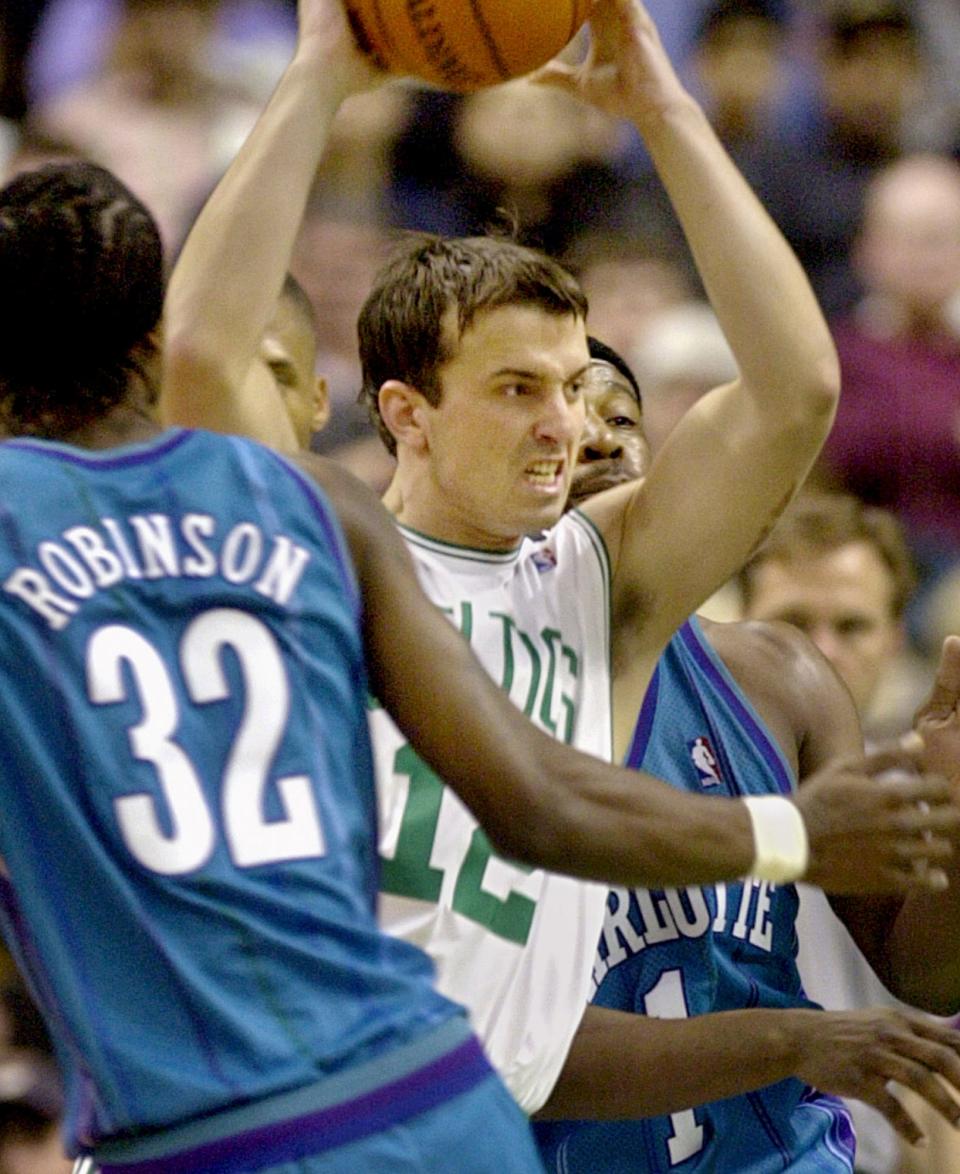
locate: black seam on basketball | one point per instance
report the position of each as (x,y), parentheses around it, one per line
(384,30)
(498,63)
(575,22)
(437,49)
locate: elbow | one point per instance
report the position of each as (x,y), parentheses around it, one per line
(821,389)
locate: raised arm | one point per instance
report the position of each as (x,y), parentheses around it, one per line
(226,283)
(734,461)
(556,808)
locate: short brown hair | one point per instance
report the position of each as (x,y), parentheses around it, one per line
(817,523)
(401,323)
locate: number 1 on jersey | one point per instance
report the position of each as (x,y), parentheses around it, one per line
(666,1000)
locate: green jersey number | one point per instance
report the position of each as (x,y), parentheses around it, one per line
(410,873)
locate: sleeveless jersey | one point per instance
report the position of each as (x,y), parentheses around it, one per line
(186,775)
(515,946)
(680,952)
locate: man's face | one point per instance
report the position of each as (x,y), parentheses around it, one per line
(843,601)
(613,447)
(501,446)
(289,351)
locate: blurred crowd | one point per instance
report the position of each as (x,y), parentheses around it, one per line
(844,115)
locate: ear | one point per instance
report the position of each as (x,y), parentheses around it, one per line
(321,404)
(404,412)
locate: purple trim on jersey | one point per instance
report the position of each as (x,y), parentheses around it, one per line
(94,458)
(704,656)
(756,1102)
(644,727)
(840,1138)
(315,1133)
(324,511)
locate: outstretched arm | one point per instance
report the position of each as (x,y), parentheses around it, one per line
(623,1065)
(225,286)
(556,808)
(734,461)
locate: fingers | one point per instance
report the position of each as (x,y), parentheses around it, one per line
(907,879)
(919,1055)
(558,74)
(896,759)
(945,692)
(934,790)
(886,1103)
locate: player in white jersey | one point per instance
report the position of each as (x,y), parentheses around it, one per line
(486,462)
(537,617)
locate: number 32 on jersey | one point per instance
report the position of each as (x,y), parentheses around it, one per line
(119,657)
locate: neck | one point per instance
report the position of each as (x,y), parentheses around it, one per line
(424,512)
(126,424)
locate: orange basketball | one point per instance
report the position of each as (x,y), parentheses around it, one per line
(465,44)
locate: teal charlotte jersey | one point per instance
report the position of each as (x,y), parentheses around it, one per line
(682,952)
(186,776)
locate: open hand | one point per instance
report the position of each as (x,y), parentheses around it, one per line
(626,71)
(857,1053)
(876,825)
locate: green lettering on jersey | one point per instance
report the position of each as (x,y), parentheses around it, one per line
(510,918)
(409,873)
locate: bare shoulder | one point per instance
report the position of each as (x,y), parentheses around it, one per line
(365,521)
(793,687)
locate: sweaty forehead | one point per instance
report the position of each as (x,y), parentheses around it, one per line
(603,378)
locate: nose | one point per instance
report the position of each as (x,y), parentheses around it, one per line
(827,641)
(561,420)
(598,441)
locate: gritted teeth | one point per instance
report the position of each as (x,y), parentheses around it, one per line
(543,469)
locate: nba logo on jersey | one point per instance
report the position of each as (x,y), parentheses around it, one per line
(705,762)
(545,559)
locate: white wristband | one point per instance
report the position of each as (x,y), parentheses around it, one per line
(781,849)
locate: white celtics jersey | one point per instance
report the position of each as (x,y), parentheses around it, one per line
(515,946)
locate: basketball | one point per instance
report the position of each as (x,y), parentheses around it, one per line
(465,44)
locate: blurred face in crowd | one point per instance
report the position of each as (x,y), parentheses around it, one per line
(740,69)
(613,447)
(526,134)
(843,600)
(909,247)
(870,81)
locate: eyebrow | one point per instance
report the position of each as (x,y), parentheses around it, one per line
(535,376)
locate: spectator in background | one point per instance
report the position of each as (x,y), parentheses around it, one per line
(517,154)
(627,281)
(872,74)
(842,573)
(336,259)
(73,38)
(681,355)
(896,440)
(31,1109)
(741,61)
(157,112)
